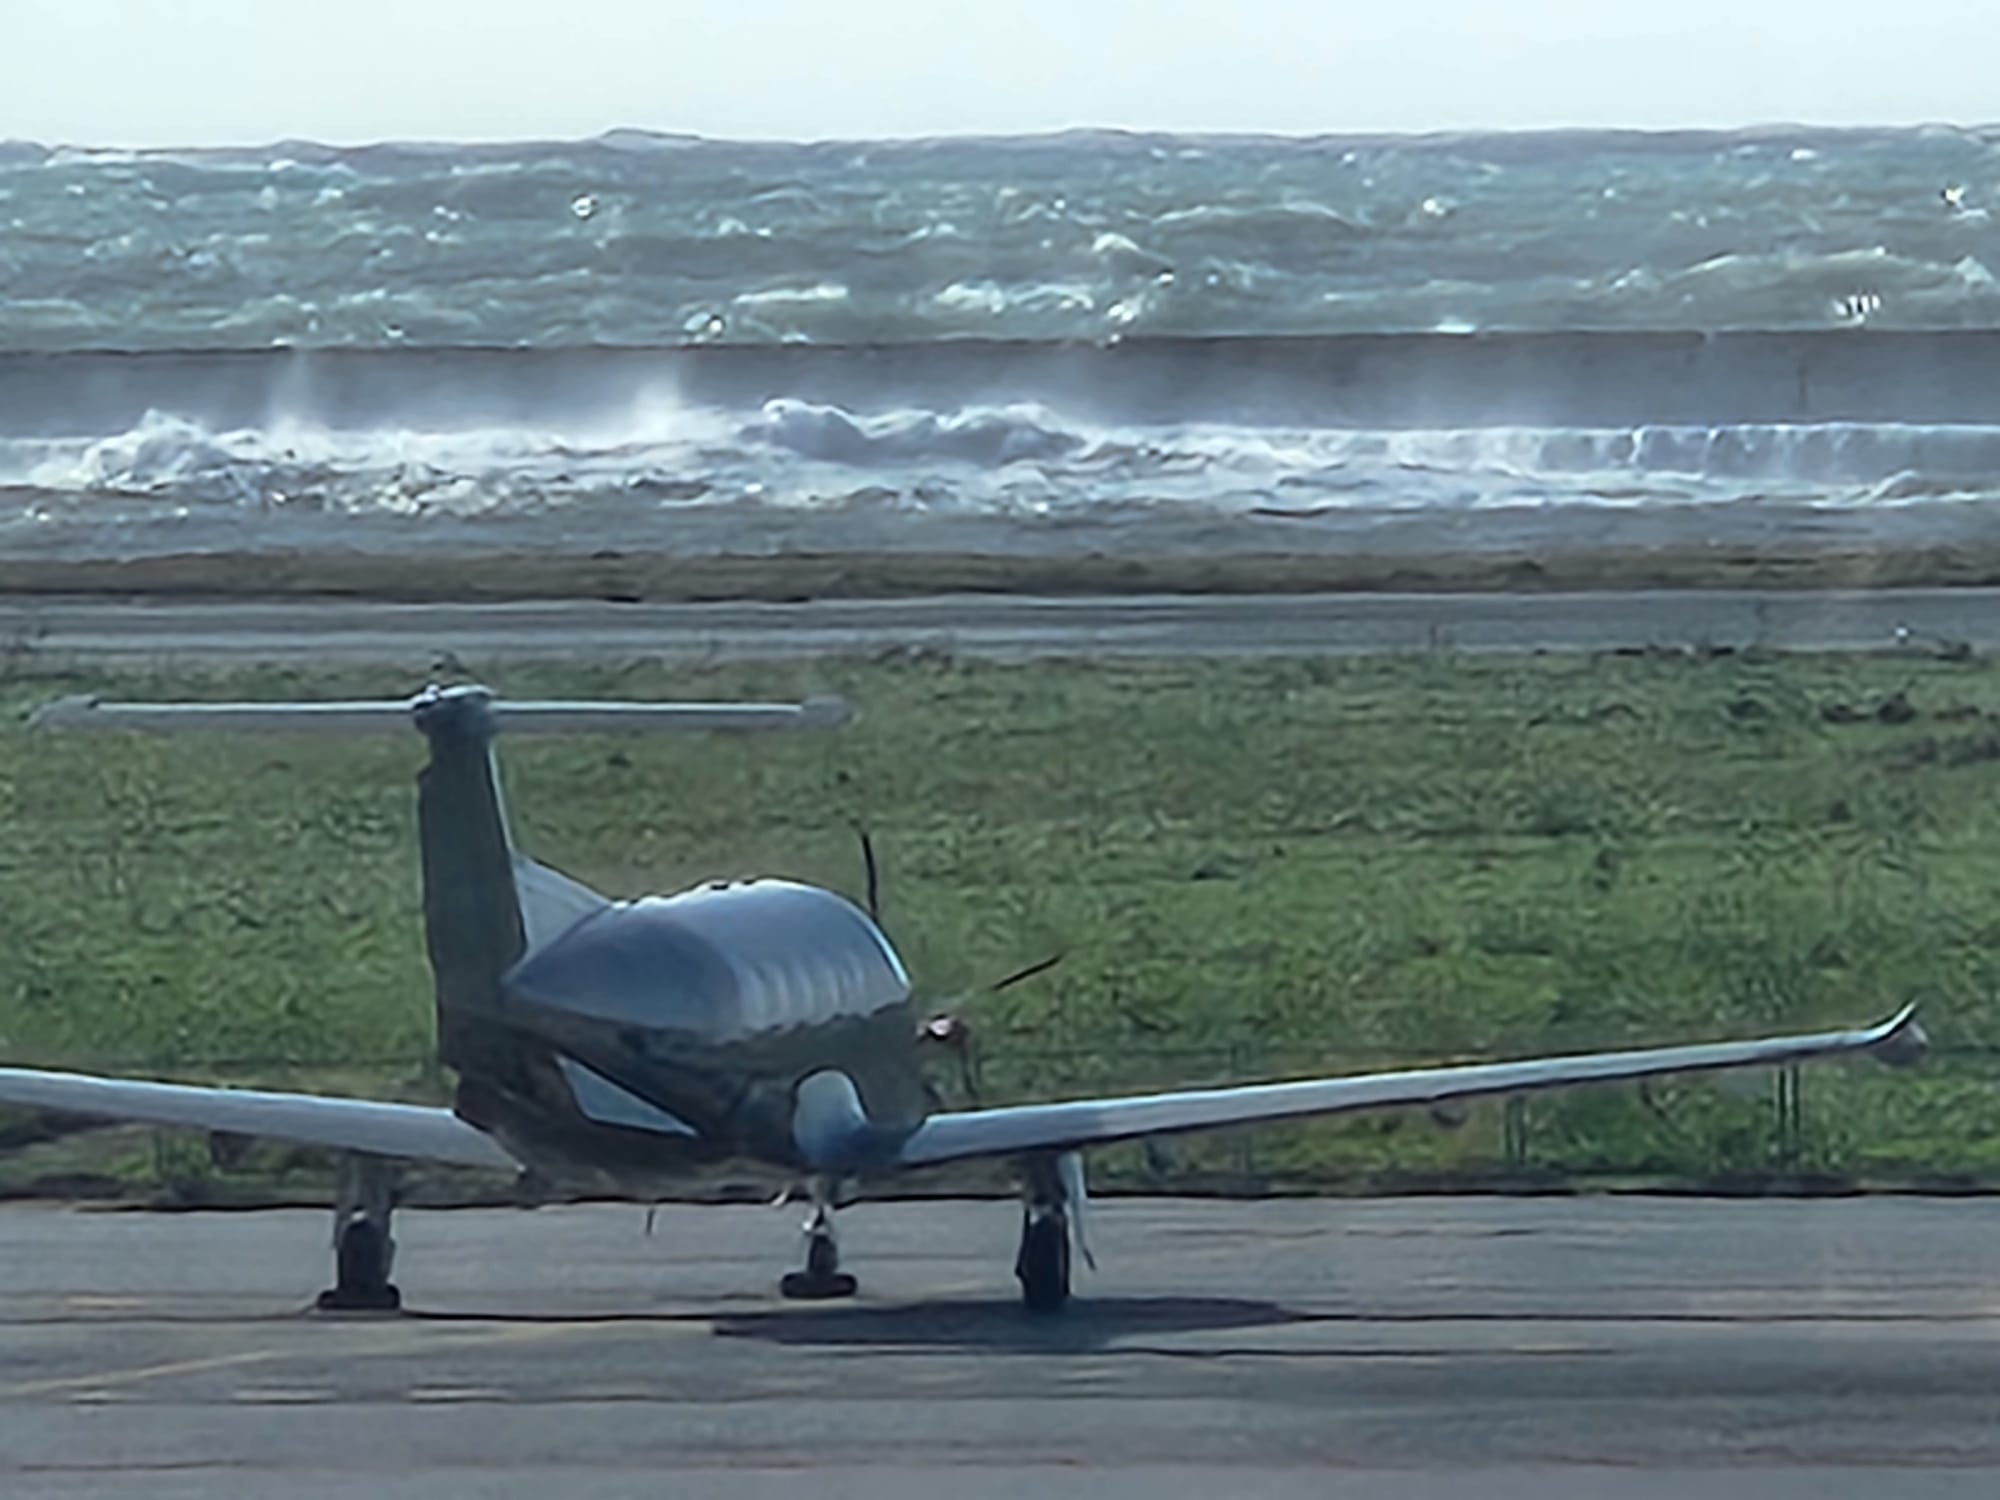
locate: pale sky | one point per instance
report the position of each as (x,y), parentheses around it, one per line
(210,72)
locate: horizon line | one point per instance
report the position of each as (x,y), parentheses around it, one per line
(647,134)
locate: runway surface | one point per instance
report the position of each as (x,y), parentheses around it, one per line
(1443,1347)
(1000,625)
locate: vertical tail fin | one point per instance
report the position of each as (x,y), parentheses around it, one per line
(472,911)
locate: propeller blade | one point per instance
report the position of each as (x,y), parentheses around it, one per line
(1069,1169)
(1041,966)
(874,877)
(968,1076)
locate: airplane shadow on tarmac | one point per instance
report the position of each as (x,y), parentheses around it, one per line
(1002,1323)
(995,1323)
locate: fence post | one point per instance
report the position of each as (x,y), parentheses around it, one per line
(1791,1117)
(1246,1145)
(1514,1131)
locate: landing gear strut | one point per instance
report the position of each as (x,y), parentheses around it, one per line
(363,1248)
(822,1279)
(1043,1261)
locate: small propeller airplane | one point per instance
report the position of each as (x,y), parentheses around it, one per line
(762,1021)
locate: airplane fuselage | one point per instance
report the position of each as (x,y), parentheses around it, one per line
(674,1031)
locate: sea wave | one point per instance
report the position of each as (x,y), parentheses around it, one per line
(632,474)
(1094,341)
(631,239)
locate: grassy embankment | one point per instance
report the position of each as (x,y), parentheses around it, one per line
(1255,869)
(1362,565)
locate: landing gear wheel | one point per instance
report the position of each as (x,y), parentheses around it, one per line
(822,1280)
(803,1286)
(361,1270)
(1043,1264)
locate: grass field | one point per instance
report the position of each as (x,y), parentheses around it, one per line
(1253,868)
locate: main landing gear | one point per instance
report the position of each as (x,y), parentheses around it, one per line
(363,1248)
(1042,1264)
(822,1279)
(1043,1261)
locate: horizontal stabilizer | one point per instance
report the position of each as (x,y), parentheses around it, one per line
(511,716)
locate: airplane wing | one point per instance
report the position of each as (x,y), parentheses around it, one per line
(1089,1122)
(365,1125)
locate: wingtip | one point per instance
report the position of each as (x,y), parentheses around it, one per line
(60,711)
(1899,1040)
(828,711)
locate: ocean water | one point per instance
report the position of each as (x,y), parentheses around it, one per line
(1091,339)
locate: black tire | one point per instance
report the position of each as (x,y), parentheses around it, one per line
(1043,1264)
(805,1286)
(361,1256)
(361,1270)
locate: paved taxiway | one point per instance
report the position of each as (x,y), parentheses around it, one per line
(1001,625)
(1445,1347)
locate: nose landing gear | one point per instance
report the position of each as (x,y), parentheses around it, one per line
(822,1279)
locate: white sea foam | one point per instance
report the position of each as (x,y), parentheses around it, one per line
(983,437)
(617,474)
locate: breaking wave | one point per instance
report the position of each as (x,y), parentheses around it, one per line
(636,475)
